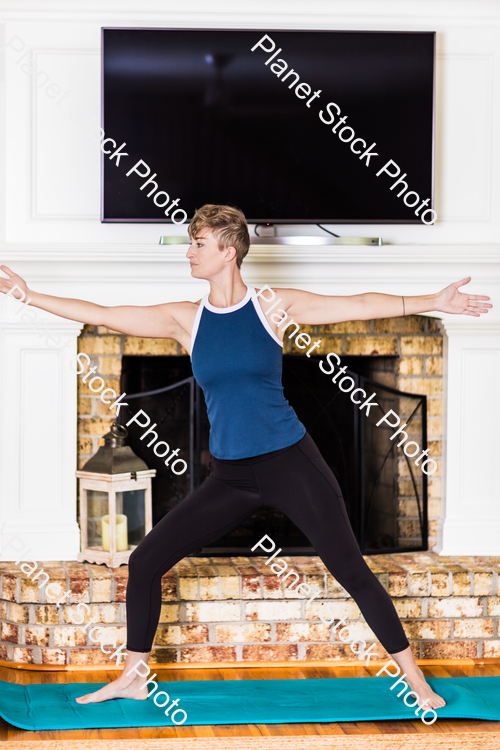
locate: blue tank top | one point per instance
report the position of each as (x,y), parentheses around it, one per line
(237,361)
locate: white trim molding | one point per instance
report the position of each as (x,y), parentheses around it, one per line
(470,510)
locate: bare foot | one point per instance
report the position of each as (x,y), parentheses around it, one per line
(424,691)
(120,688)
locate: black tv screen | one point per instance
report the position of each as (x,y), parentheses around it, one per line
(235,117)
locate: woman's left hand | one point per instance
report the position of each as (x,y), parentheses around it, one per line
(450,300)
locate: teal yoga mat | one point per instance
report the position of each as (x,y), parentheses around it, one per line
(245,702)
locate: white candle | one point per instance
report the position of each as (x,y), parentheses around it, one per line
(121,533)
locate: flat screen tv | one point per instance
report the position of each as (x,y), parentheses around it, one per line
(235,117)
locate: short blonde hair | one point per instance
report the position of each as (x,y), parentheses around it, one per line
(227,224)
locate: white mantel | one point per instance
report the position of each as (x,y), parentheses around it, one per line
(38,475)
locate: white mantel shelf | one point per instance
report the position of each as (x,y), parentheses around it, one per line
(141,252)
(157,273)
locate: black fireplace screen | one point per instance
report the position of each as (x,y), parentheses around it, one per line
(384,491)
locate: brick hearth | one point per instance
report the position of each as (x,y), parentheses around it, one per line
(236,610)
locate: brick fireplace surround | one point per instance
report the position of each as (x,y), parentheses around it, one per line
(218,609)
(232,609)
(416,341)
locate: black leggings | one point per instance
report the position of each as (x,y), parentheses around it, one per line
(295,480)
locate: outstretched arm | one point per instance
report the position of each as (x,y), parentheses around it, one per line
(153,321)
(316,309)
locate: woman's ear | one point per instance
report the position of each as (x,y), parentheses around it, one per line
(230,253)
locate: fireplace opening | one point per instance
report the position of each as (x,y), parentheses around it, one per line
(381,485)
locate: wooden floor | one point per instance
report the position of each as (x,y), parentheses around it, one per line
(8,732)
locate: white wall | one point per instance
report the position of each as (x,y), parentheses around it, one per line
(50,233)
(51,181)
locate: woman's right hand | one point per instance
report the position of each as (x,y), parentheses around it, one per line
(14,280)
(170,320)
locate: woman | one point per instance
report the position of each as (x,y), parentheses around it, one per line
(262,453)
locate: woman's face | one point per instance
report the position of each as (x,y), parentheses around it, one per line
(205,257)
